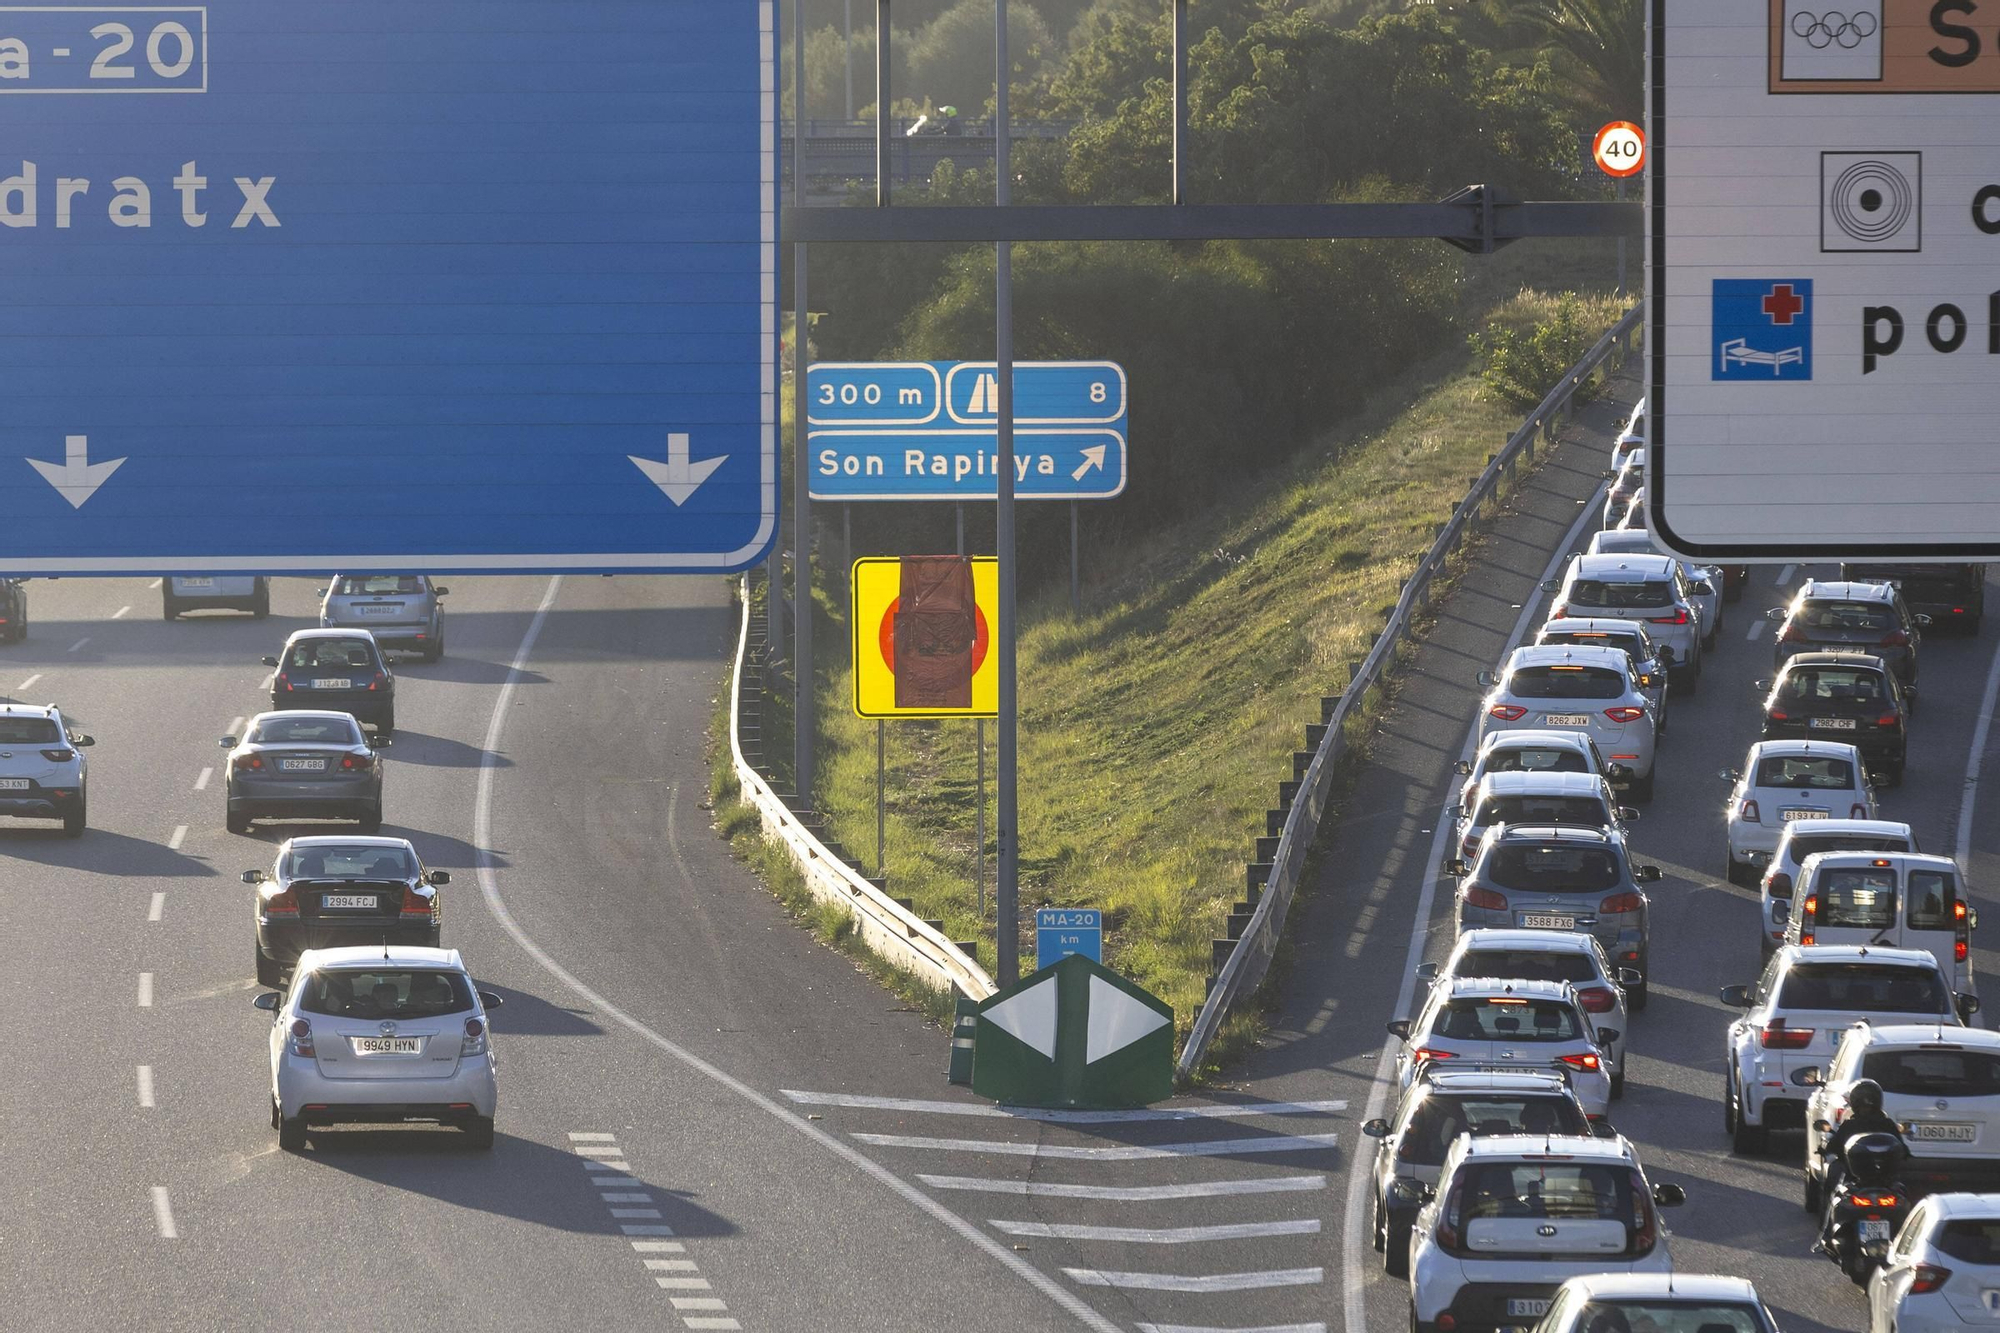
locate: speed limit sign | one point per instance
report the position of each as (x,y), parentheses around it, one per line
(1620,149)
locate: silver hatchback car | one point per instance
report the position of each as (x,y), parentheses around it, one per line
(401,610)
(1576,688)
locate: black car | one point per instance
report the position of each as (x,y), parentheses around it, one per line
(13,610)
(1953,595)
(1850,697)
(330,892)
(338,670)
(1837,617)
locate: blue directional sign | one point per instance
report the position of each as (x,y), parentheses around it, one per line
(1062,931)
(458,284)
(927,430)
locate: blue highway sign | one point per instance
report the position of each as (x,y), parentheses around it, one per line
(465,284)
(926,430)
(1062,931)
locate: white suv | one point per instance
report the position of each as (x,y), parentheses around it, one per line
(43,774)
(1589,690)
(1629,586)
(1785,782)
(1513,1216)
(1942,1269)
(1941,1084)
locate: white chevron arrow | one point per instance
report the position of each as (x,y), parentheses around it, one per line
(76,477)
(678,477)
(1093,457)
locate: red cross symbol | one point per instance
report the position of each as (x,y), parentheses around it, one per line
(1782,304)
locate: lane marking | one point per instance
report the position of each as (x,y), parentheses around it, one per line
(1276,1277)
(121,613)
(1207,1189)
(628,1197)
(592,1137)
(688,1284)
(670,1265)
(179,837)
(1969,799)
(29,683)
(145,990)
(1120,1153)
(78,644)
(644,1229)
(154,586)
(163,1214)
(201,783)
(1353,1308)
(659,1247)
(1242,1111)
(602,1180)
(697,1303)
(636,1213)
(1314,1327)
(1785,574)
(1304,1226)
(704,1321)
(489,888)
(159,906)
(597,1150)
(146,1086)
(236,723)
(1756,630)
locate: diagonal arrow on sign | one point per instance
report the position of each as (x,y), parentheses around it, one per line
(76,478)
(679,477)
(1093,457)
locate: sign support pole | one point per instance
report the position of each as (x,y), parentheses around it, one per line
(881,103)
(958,508)
(1621,244)
(1075,600)
(1180,101)
(979,818)
(802,593)
(1007,928)
(847,52)
(881,730)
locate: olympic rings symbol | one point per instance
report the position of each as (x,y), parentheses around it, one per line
(1834,27)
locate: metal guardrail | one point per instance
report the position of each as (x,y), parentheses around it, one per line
(1250,959)
(882,923)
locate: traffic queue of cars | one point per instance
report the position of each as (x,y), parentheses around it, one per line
(1501,1191)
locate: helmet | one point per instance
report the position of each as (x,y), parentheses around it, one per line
(947,111)
(1872,1159)
(1865,1095)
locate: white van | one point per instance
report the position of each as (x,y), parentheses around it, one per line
(233,592)
(1904,900)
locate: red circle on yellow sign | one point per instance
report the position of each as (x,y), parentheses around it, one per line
(887,636)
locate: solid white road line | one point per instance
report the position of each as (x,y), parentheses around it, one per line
(121,613)
(179,837)
(592,1137)
(1242,1111)
(489,888)
(163,1214)
(159,906)
(29,683)
(201,783)
(1276,1277)
(1207,1189)
(1756,630)
(1120,1153)
(146,1086)
(1304,1226)
(78,644)
(1314,1327)
(1968,800)
(1354,1309)
(145,990)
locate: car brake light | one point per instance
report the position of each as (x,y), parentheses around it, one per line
(1927,1278)
(376,683)
(1679,617)
(302,1038)
(250,761)
(416,904)
(59,756)
(1748,813)
(1597,1000)
(1423,1053)
(1781,883)
(282,903)
(1622,902)
(352,762)
(1624,714)
(1777,1037)
(284,680)
(1559,613)
(1887,720)
(474,1042)
(1895,639)
(1582,1060)
(1958,951)
(1447,1226)
(1486,900)
(1780,715)
(1645,1223)
(1957,911)
(1508,712)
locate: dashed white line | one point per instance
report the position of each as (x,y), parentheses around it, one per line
(179,837)
(597,1150)
(201,783)
(592,1137)
(154,585)
(1241,1111)
(1315,1327)
(1121,1153)
(659,1247)
(1785,574)
(159,906)
(688,1284)
(698,1303)
(145,990)
(29,683)
(1207,1282)
(146,1086)
(121,613)
(639,1196)
(670,1265)
(236,726)
(1756,629)
(645,1229)
(704,1322)
(1208,1189)
(1304,1226)
(78,644)
(635,1213)
(163,1214)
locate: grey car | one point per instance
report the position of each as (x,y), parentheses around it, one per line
(1835,616)
(303,763)
(401,610)
(1561,877)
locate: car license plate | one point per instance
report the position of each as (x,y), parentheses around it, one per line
(1536,922)
(388,1045)
(1831,723)
(1936,1133)
(378,610)
(302,765)
(1874,1228)
(332,683)
(196,583)
(363,901)
(1567,719)
(1804,812)
(13,784)
(1527,1305)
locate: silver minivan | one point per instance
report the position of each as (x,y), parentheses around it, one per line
(199,592)
(400,610)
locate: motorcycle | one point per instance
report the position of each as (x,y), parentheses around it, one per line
(1867,1207)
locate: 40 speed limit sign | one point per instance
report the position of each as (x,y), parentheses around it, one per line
(1620,149)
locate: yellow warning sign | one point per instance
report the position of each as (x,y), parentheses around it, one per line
(876,590)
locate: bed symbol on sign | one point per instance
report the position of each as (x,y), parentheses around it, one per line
(1761,329)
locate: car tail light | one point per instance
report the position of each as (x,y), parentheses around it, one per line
(1508,712)
(59,756)
(1447,1227)
(376,683)
(417,904)
(284,681)
(1927,1278)
(1645,1222)
(1807,912)
(1624,714)
(1887,720)
(1781,883)
(302,1039)
(1895,638)
(1857,811)
(1777,1037)
(1679,617)
(474,1042)
(282,903)
(1779,715)
(1791,634)
(1747,812)
(1622,902)
(1423,1053)
(1597,1000)
(249,761)
(1486,900)
(1559,613)
(1889,1200)
(351,762)
(1586,1060)
(1958,951)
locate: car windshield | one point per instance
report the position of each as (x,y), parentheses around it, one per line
(1857,897)
(1534,868)
(1643,1316)
(295,729)
(1869,988)
(1971,1240)
(1440,1118)
(1536,759)
(1542,810)
(29,731)
(1526,965)
(1506,1018)
(1839,616)
(343,654)
(1800,770)
(1620,594)
(1565,682)
(1858,685)
(346,862)
(1547,1189)
(379,585)
(388,992)
(1845,842)
(1934,1073)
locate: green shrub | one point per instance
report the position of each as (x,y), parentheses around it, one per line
(1520,366)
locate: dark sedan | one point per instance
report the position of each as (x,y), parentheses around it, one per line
(1851,697)
(330,892)
(314,765)
(339,669)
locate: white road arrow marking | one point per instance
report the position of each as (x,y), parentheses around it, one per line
(1093,457)
(678,477)
(76,477)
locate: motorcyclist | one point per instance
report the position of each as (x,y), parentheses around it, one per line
(1872,1162)
(1864,1116)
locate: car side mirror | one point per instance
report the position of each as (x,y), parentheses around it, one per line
(490,1000)
(1729,774)
(1603,1129)
(440,592)
(1427,971)
(1399,1028)
(253,877)
(268,661)
(1463,768)
(1921,619)
(438,877)
(1666,654)
(1812,1076)
(83,742)
(1455,866)
(1550,585)
(1972,918)
(226,743)
(265,1000)
(1405,1195)
(1704,589)
(1607,1036)
(1627,813)
(1669,1196)
(1377,1128)
(1618,772)
(1631,976)
(1487,678)
(1647,874)
(1777,614)
(1968,1005)
(319,592)
(1736,997)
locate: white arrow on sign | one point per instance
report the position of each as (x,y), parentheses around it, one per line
(1029,1017)
(76,477)
(678,477)
(1093,457)
(1116,1021)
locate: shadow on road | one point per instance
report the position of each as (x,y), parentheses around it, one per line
(111,854)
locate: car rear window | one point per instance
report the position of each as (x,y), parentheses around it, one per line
(1971,1240)
(1629,644)
(346,654)
(385,993)
(1860,685)
(292,729)
(1799,770)
(1551,869)
(1665,1317)
(1542,810)
(1845,842)
(1960,578)
(1835,615)
(379,585)
(1526,964)
(1440,1118)
(1864,988)
(1934,1073)
(1508,1018)
(1857,897)
(1547,1189)
(1536,759)
(1565,682)
(337,862)
(29,731)
(1931,895)
(1621,594)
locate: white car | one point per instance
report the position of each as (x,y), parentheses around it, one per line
(1592,690)
(1784,782)
(1537,798)
(1650,588)
(1800,839)
(181,593)
(1550,955)
(380,1035)
(1533,751)
(1492,1024)
(1941,1083)
(1513,1217)
(1943,1272)
(1638,541)
(1805,1000)
(1692,1301)
(43,774)
(1627,480)
(1628,635)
